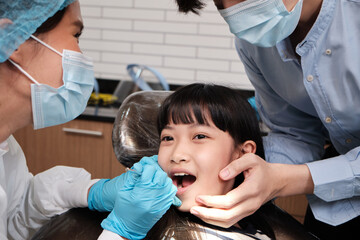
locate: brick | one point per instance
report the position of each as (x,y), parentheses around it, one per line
(165,50)
(189,63)
(133,14)
(165,27)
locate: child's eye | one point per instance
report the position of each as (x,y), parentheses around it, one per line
(166,139)
(200,136)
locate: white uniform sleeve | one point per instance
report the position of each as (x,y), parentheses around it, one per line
(48,194)
(31,201)
(61,188)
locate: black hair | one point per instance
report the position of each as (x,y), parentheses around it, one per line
(50,23)
(230,112)
(194,6)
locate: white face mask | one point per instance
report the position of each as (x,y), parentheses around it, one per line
(53,106)
(262,22)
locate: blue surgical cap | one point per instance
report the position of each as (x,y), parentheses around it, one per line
(20,18)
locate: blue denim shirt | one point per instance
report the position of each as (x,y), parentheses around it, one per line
(305,102)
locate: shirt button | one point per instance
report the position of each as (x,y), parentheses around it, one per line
(309,78)
(328,120)
(348,140)
(328,51)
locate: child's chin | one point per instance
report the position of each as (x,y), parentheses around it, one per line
(185,207)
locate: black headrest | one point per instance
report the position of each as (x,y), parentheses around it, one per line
(135,131)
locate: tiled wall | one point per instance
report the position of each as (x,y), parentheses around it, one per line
(184,48)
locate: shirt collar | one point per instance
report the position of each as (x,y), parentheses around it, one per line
(4,148)
(285,50)
(284,47)
(321,24)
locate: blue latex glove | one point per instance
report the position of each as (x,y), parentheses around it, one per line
(136,213)
(102,194)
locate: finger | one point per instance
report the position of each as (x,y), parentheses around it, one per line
(137,167)
(232,198)
(237,166)
(130,178)
(218,217)
(149,161)
(177,202)
(148,174)
(160,178)
(222,217)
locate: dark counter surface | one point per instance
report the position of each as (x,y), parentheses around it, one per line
(102,114)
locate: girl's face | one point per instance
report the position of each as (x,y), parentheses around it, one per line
(193,155)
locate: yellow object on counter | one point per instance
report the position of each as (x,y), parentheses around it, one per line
(102,98)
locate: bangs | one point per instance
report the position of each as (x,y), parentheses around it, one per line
(193,104)
(187,114)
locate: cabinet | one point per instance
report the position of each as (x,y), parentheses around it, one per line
(294,205)
(79,143)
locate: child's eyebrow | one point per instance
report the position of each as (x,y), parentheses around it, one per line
(168,127)
(195,125)
(191,125)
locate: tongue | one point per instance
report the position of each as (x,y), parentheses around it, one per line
(188,180)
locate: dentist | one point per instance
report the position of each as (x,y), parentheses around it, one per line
(45,80)
(303,58)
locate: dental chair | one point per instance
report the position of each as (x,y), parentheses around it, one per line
(134,136)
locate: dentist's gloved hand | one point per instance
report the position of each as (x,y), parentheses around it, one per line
(136,213)
(102,195)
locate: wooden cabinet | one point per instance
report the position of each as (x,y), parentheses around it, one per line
(294,205)
(79,143)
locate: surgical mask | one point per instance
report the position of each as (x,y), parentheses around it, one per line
(53,106)
(263,23)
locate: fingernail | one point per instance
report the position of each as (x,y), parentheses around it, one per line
(194,212)
(224,173)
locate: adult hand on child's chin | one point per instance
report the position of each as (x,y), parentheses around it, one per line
(263,181)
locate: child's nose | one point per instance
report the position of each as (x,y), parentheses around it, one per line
(180,153)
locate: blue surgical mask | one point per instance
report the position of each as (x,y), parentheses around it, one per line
(262,22)
(53,106)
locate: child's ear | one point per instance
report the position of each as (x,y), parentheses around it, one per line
(248,146)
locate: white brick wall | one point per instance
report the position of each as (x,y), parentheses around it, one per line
(184,48)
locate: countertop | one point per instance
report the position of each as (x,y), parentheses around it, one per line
(107,114)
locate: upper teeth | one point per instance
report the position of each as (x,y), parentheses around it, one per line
(180,174)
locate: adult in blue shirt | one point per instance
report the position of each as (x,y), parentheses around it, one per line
(303,59)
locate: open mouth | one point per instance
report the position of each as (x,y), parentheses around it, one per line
(183,180)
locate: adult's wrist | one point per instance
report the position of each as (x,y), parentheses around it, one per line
(95,201)
(293,179)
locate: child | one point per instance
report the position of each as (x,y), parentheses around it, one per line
(202,129)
